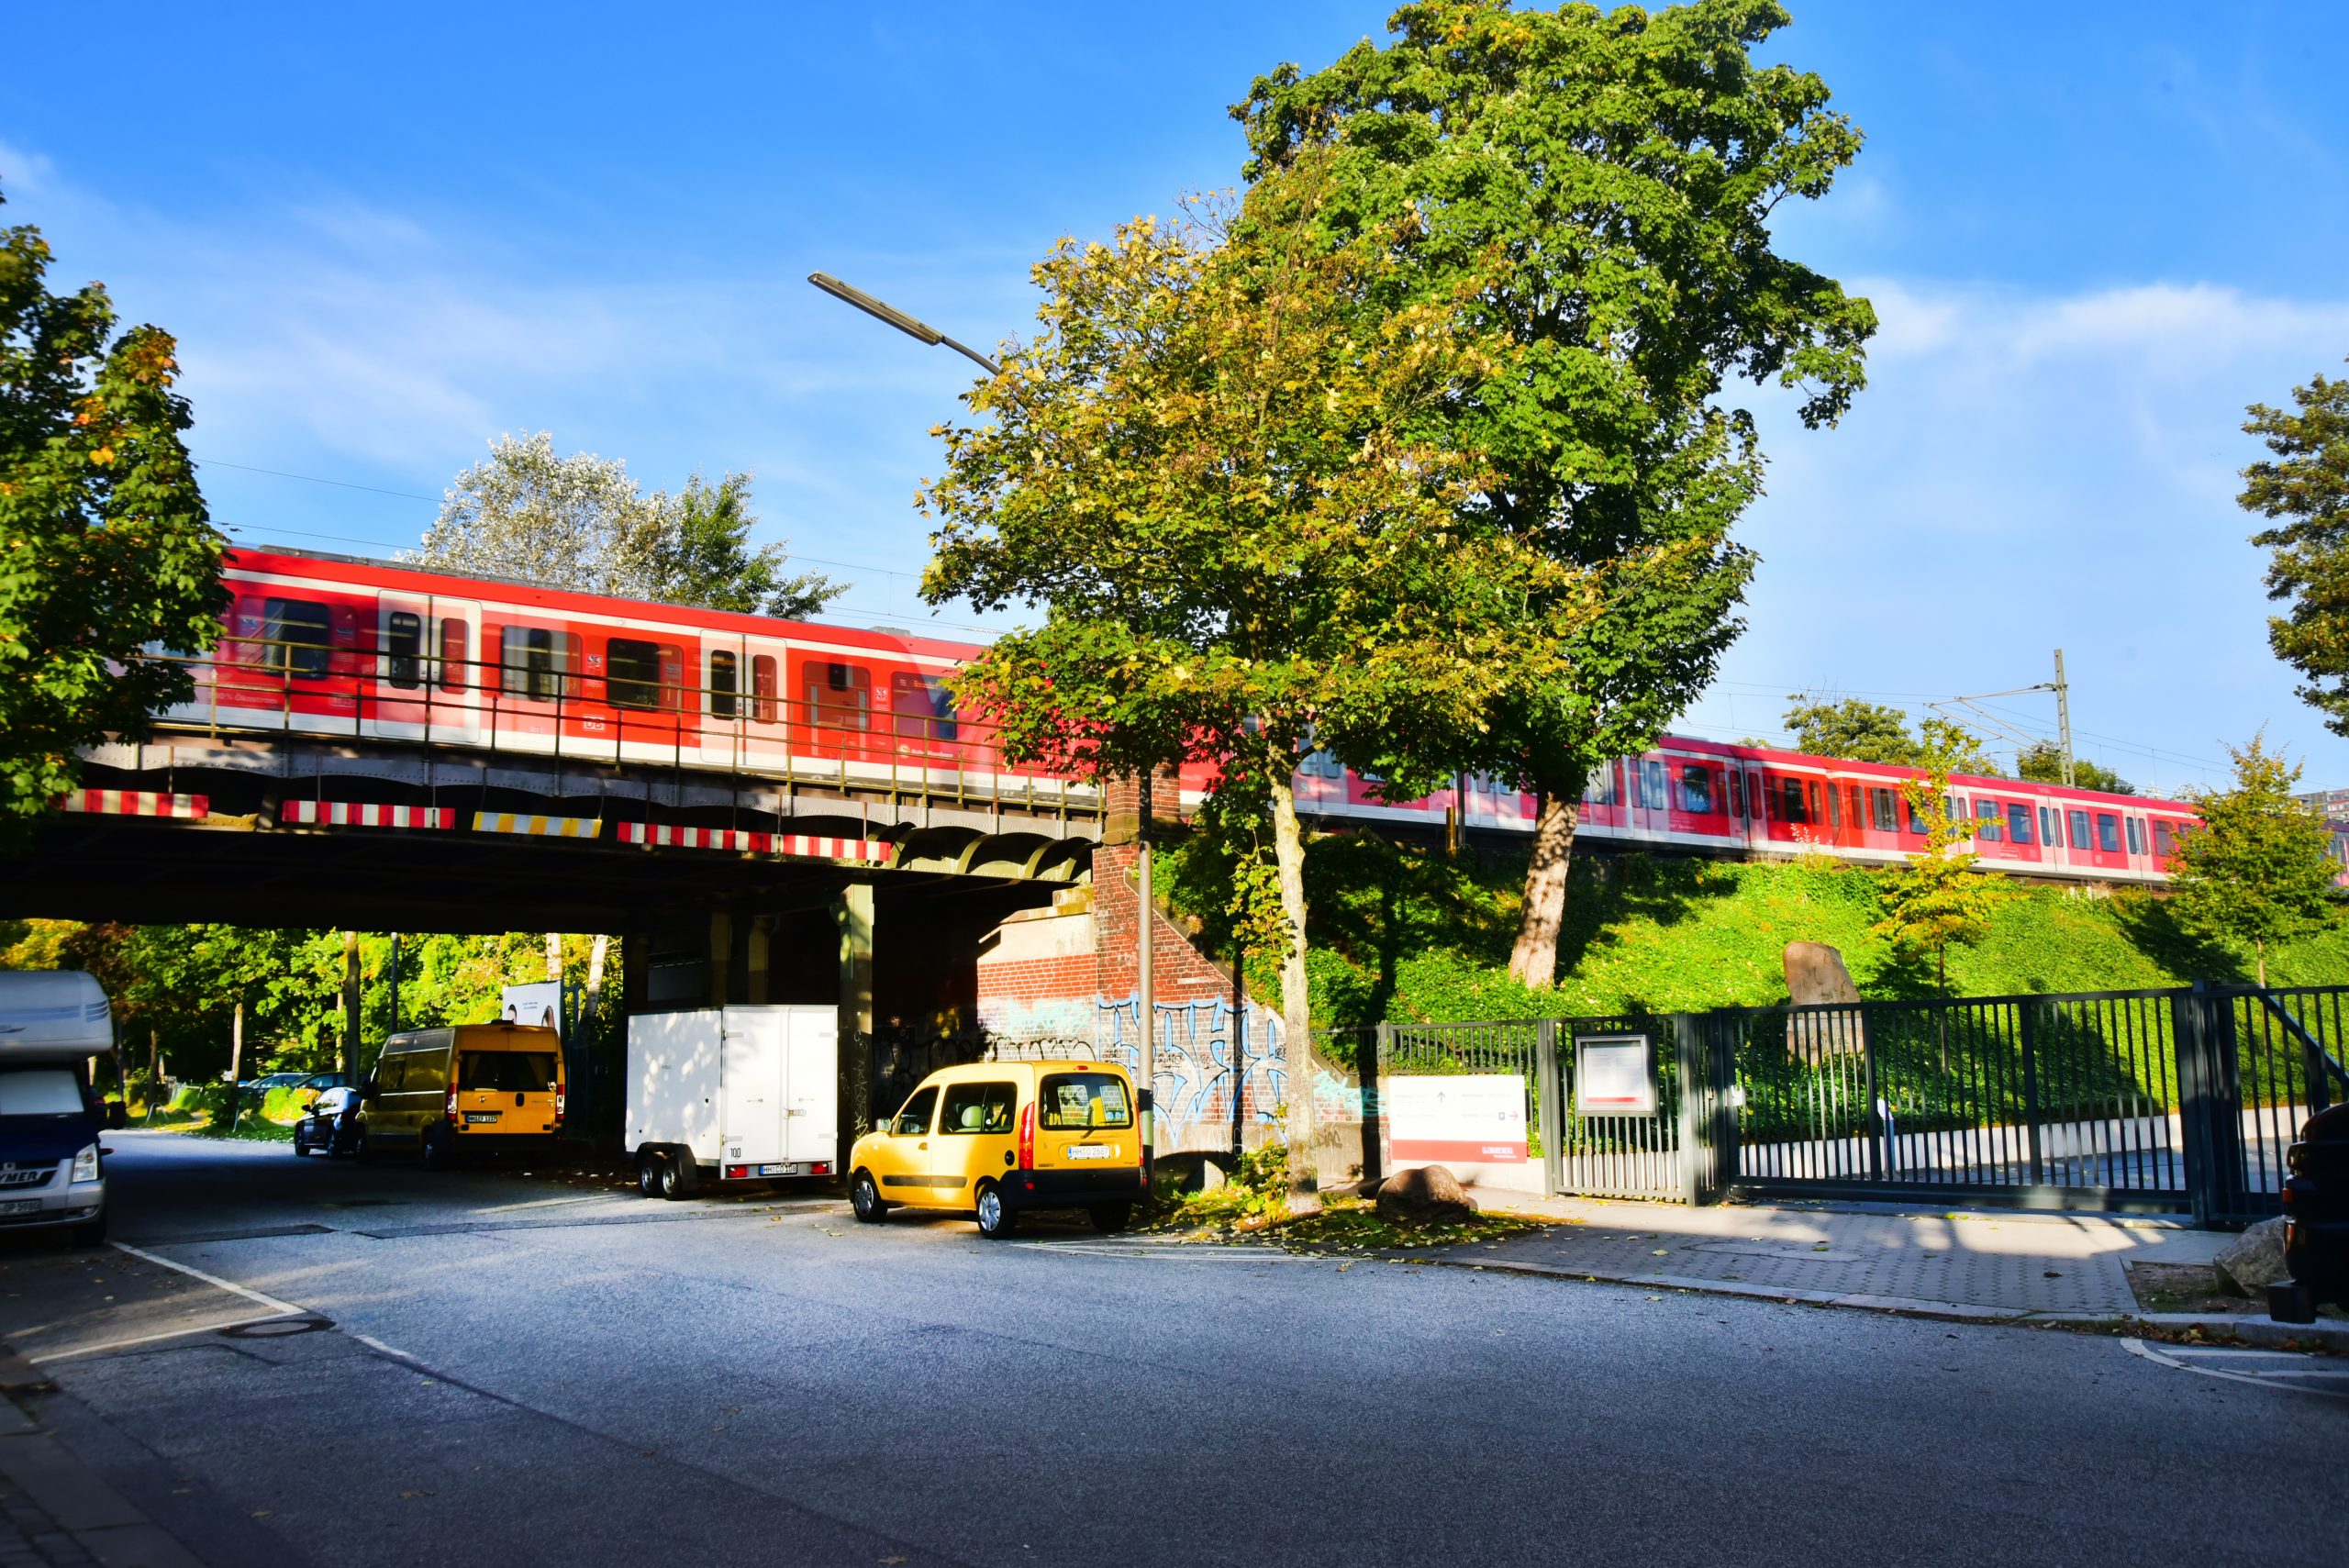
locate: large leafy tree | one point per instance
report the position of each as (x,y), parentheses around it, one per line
(1938,898)
(1860,730)
(2260,869)
(1602,184)
(1218,469)
(2304,490)
(2043,762)
(582,522)
(106,547)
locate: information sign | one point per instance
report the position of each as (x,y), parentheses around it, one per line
(1473,1116)
(1614,1075)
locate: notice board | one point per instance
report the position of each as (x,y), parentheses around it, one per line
(1478,1118)
(1614,1075)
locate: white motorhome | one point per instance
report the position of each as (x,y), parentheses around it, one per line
(51,1165)
(732,1094)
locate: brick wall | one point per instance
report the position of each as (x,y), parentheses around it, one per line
(1180,972)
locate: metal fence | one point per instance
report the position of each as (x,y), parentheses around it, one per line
(2159,1101)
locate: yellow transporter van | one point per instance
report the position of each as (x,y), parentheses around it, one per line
(435,1093)
(996,1138)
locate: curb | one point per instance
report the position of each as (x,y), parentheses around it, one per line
(2249,1329)
(75,1497)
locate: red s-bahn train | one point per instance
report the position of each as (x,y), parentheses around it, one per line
(334,646)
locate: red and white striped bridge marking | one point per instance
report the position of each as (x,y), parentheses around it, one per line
(357,814)
(742,842)
(137,803)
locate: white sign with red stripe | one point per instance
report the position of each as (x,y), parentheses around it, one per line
(1469,1116)
(358,814)
(137,803)
(742,842)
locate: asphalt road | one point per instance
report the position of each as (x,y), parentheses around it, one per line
(518,1368)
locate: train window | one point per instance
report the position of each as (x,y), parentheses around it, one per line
(403,650)
(2050,828)
(2108,833)
(633,672)
(1599,788)
(1986,817)
(2018,823)
(1916,823)
(2080,824)
(1655,786)
(1736,793)
(299,633)
(1697,791)
(2136,837)
(839,696)
(763,686)
(1884,809)
(1792,808)
(2164,845)
(532,657)
(725,682)
(1317,764)
(1834,808)
(921,707)
(450,665)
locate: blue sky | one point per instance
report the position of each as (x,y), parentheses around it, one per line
(2094,231)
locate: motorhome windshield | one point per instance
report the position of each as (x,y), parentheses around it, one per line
(40,1091)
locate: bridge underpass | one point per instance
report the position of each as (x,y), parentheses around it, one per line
(877,898)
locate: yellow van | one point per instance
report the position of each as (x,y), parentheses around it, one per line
(477,1087)
(996,1138)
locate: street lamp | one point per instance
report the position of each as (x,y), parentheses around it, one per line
(913,327)
(910,325)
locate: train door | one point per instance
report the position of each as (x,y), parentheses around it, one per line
(763,729)
(395,677)
(453,669)
(725,698)
(835,709)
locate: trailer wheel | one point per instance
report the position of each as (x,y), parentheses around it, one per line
(997,1220)
(648,1172)
(866,1199)
(679,1174)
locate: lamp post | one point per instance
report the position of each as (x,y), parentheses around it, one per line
(924,333)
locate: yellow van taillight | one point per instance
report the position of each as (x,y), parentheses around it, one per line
(558,1105)
(453,1102)
(1028,1136)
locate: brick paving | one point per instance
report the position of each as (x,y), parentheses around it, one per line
(1993,1264)
(30,1537)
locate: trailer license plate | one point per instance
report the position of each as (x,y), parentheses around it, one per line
(1092,1151)
(779,1170)
(20,1205)
(472,1116)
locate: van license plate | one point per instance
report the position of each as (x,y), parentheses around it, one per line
(779,1170)
(1092,1151)
(472,1116)
(20,1205)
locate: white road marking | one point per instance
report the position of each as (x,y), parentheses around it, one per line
(550,1203)
(1176,1255)
(150,1338)
(373,1344)
(2275,1368)
(276,1307)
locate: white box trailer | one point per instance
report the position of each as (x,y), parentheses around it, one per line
(732,1094)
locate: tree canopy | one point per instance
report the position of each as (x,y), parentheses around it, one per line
(1939,898)
(2044,763)
(2304,489)
(2260,869)
(1218,468)
(581,522)
(1598,189)
(1850,728)
(105,547)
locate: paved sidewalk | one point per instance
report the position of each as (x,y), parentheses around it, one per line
(55,1511)
(1952,1264)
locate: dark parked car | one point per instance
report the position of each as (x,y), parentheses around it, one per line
(330,1124)
(2316,1220)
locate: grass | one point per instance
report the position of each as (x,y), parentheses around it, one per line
(1406,934)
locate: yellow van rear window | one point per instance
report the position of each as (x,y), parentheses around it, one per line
(1072,1100)
(506,1072)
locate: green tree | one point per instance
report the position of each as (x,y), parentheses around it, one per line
(2044,763)
(106,547)
(1213,468)
(582,522)
(1938,898)
(2307,485)
(1861,731)
(1599,188)
(2260,869)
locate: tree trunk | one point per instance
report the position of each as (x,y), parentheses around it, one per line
(554,955)
(595,985)
(1534,960)
(1296,1022)
(2260,947)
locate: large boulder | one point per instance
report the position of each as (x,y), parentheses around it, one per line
(2255,1260)
(1816,977)
(1425,1194)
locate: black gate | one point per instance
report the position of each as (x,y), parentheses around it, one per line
(2179,1101)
